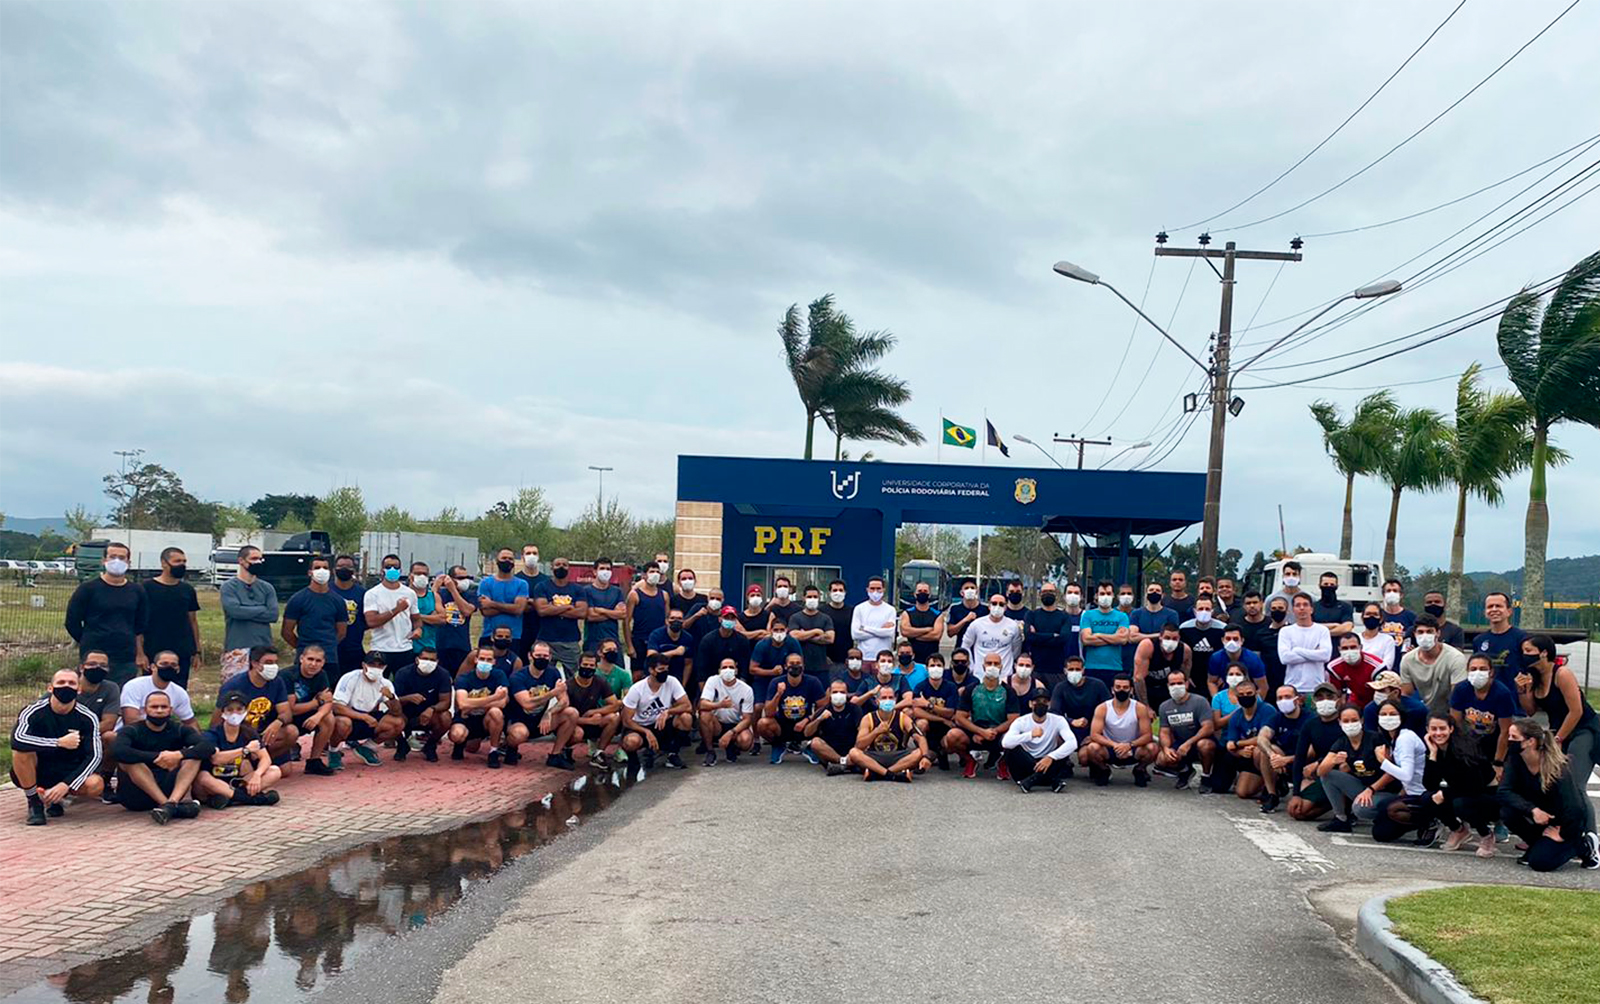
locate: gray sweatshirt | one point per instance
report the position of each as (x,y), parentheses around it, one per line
(250,610)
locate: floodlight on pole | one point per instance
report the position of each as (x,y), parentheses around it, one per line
(1126,449)
(1019,437)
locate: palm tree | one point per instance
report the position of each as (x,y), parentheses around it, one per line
(831,367)
(1356,446)
(1553,359)
(1413,458)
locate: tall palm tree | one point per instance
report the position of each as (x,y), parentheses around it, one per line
(831,366)
(1355,446)
(1413,459)
(1553,359)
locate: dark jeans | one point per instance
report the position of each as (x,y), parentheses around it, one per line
(1021,765)
(1544,854)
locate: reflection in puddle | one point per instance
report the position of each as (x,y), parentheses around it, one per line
(276,940)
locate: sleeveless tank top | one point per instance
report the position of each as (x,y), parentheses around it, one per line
(1554,705)
(1123,728)
(649,613)
(894,739)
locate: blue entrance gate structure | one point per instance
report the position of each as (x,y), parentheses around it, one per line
(735,512)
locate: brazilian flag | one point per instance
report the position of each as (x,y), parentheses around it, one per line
(959,435)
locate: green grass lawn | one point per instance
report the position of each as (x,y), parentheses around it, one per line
(1509,944)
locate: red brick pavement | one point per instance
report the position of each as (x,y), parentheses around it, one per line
(101,879)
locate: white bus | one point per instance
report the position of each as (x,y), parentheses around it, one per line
(1360,582)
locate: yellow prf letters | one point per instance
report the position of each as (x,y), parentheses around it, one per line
(792,539)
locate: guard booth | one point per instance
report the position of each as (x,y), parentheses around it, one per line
(748,520)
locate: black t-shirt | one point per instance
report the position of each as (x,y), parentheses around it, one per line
(530,616)
(815,652)
(922,619)
(1363,761)
(1073,703)
(106,617)
(842,642)
(781,612)
(587,698)
(754,621)
(1337,612)
(1202,641)
(714,648)
(1184,607)
(166,625)
(1253,631)
(839,729)
(410,680)
(1046,641)
(306,688)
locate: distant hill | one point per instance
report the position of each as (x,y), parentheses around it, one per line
(37,524)
(1571,580)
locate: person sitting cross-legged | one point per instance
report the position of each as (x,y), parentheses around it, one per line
(240,772)
(727,714)
(888,744)
(1039,746)
(831,732)
(56,749)
(365,699)
(157,762)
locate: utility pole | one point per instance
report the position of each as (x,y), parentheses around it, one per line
(600,491)
(1074,558)
(1219,375)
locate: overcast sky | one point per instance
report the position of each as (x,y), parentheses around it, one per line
(443,250)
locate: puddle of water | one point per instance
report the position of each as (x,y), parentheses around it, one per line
(279,939)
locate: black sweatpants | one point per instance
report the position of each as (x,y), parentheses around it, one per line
(1021,766)
(1544,854)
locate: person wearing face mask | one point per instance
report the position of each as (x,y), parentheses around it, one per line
(1483,709)
(1232,650)
(656,715)
(1154,660)
(841,613)
(108,613)
(1431,670)
(346,586)
(537,706)
(1015,608)
(1178,599)
(1450,633)
(1047,630)
(1076,697)
(458,601)
(1542,801)
(366,700)
(103,698)
(1120,735)
(1275,747)
(1226,701)
(831,733)
(906,664)
(249,609)
(1039,746)
(725,642)
(1353,669)
(872,625)
(599,710)
(390,610)
(986,711)
(1289,586)
(855,675)
(158,760)
(56,749)
(1386,687)
(162,674)
(267,709)
(886,674)
(1203,632)
(782,606)
(503,600)
(647,611)
(172,620)
(813,629)
(995,634)
(1103,632)
(688,601)
(1403,758)
(1147,620)
(673,640)
(1304,648)
(1545,686)
(1375,641)
(239,771)
(315,615)
(311,710)
(1457,796)
(1330,611)
(1398,622)
(431,593)
(563,606)
(934,701)
(922,623)
(767,659)
(1352,776)
(888,745)
(793,700)
(606,608)
(1318,735)
(529,571)
(1024,684)
(422,691)
(1187,731)
(727,713)
(966,613)
(481,695)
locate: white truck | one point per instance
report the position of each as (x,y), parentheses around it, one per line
(146,547)
(1360,582)
(439,550)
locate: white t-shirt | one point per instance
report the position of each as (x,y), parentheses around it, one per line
(137,690)
(648,704)
(357,693)
(1057,740)
(739,692)
(395,636)
(872,625)
(1380,645)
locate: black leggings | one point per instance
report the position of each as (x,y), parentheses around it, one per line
(1544,854)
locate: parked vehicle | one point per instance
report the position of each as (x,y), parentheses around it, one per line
(1359,581)
(145,547)
(920,571)
(439,550)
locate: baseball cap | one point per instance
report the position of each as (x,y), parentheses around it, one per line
(728,611)
(1386,680)
(1326,688)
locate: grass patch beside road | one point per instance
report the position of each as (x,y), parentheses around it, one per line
(1509,944)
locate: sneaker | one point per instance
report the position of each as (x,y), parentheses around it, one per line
(833,770)
(458,751)
(710,759)
(1590,855)
(1004,772)
(402,747)
(944,761)
(219,802)
(1428,835)
(1027,783)
(1501,834)
(811,757)
(1100,775)
(36,812)
(368,755)
(268,797)
(600,760)
(1205,785)
(969,766)
(1184,777)
(1059,787)
(1269,804)
(559,761)
(109,795)
(161,813)
(1141,776)
(731,754)
(676,762)
(317,767)
(335,760)
(55,810)
(647,759)
(621,756)
(1522,859)
(1456,838)
(430,752)
(295,754)
(1486,845)
(792,748)
(777,754)
(1336,825)
(492,761)
(514,756)
(189,808)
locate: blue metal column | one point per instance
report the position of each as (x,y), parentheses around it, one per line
(891,525)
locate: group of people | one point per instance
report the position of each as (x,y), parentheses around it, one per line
(1388,718)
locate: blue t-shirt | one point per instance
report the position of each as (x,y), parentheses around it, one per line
(409,680)
(1106,660)
(1152,621)
(561,596)
(799,699)
(918,674)
(1504,650)
(1253,666)
(768,655)
(455,634)
(317,616)
(1399,627)
(1222,703)
(260,703)
(473,685)
(1286,730)
(535,683)
(1481,716)
(945,695)
(502,591)
(350,650)
(1240,727)
(899,683)
(660,641)
(595,632)
(429,638)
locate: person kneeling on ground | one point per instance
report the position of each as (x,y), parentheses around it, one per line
(887,742)
(158,761)
(1457,794)
(794,698)
(227,779)
(365,699)
(1275,747)
(1186,731)
(835,728)
(423,693)
(536,707)
(1120,735)
(1038,747)
(480,707)
(599,710)
(56,749)
(727,714)
(1542,802)
(656,715)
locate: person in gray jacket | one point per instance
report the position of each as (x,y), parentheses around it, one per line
(249,609)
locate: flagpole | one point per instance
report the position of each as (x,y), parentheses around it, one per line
(938,450)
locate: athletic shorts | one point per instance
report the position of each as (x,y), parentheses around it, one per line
(1120,761)
(51,772)
(359,730)
(413,713)
(887,758)
(476,726)
(789,731)
(1314,794)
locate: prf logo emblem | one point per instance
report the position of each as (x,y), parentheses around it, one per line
(1027,490)
(848,488)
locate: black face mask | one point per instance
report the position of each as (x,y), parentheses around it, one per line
(1330,593)
(501,643)
(1041,709)
(1247,700)
(608,655)
(162,672)
(904,658)
(923,597)
(541,662)
(1047,599)
(1279,615)
(95,674)
(558,573)
(179,571)
(66,695)
(504,564)
(660,670)
(158,722)
(1152,598)
(674,626)
(1513,747)
(1434,609)
(585,671)
(344,574)
(959,668)
(1371,623)
(1014,597)
(796,672)
(1122,695)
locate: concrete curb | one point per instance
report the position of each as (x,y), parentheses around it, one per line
(1416,972)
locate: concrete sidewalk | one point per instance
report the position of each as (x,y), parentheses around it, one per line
(101,879)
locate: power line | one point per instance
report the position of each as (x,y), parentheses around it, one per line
(1425,126)
(1376,386)
(1128,345)
(1339,128)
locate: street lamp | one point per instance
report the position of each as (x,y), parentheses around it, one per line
(1019,437)
(600,490)
(1126,449)
(1081,274)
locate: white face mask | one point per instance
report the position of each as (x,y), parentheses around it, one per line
(1287,705)
(728,674)
(754,602)
(419,581)
(1234,681)
(779,637)
(1074,600)
(1178,691)
(838,699)
(997,610)
(1427,641)
(935,673)
(531,561)
(1479,678)
(269,670)
(1233,647)
(663,565)
(875,595)
(782,592)
(991,672)
(1075,676)
(1023,672)
(836,595)
(1392,598)
(1351,729)
(969,593)
(687,585)
(1202,617)
(1169,644)
(812,602)
(1104,599)
(117,566)
(1351,655)
(374,673)
(1291,580)
(1126,599)
(853,663)
(602,575)
(464,584)
(1388,723)
(234,718)
(885,669)
(320,576)
(426,666)
(654,578)
(1326,708)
